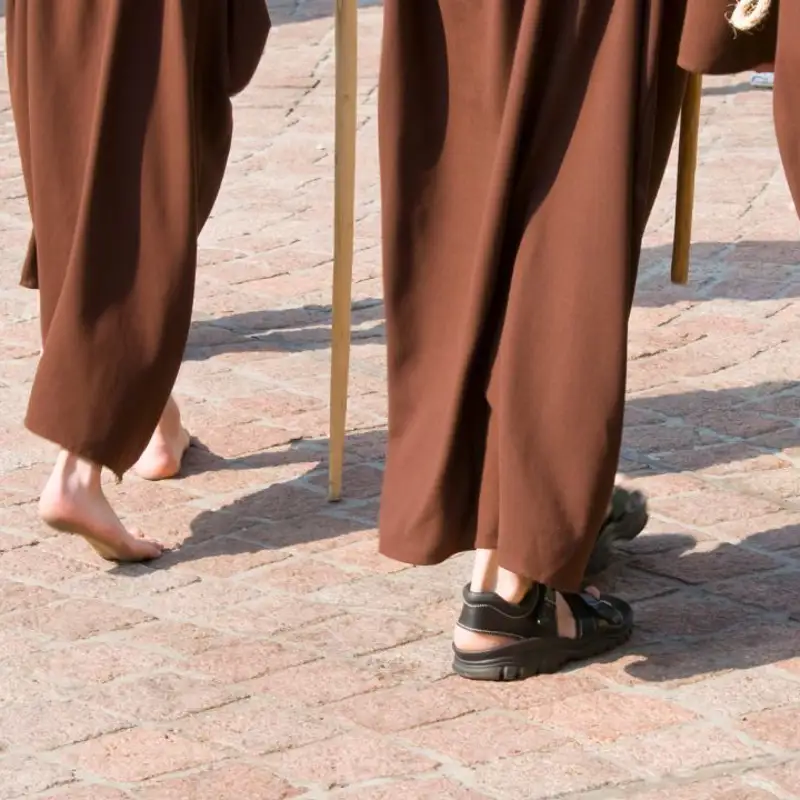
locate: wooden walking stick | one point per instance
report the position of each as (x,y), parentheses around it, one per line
(687,167)
(343,227)
(747,15)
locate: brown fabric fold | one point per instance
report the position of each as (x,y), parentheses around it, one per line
(521,147)
(124,124)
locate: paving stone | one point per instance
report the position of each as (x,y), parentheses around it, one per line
(77,619)
(94,662)
(685,614)
(479,738)
(130,581)
(161,697)
(778,726)
(421,789)
(168,637)
(244,661)
(731,789)
(35,564)
(777,591)
(45,724)
(347,760)
(89,792)
(257,726)
(706,562)
(607,716)
(786,777)
(359,634)
(229,780)
(407,707)
(301,576)
(320,682)
(713,507)
(23,776)
(137,754)
(562,771)
(679,751)
(743,692)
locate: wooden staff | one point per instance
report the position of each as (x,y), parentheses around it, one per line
(687,166)
(343,227)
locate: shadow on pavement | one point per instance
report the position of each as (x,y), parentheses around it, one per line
(727,607)
(286,330)
(290,503)
(702,606)
(734,88)
(752,271)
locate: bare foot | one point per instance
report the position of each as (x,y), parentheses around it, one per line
(471,642)
(163,456)
(73,502)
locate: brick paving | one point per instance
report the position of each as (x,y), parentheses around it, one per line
(275,655)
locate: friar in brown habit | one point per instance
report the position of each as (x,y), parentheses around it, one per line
(522,144)
(770,34)
(123,115)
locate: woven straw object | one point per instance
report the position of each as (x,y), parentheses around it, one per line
(749,14)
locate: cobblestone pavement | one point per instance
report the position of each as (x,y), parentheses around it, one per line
(275,655)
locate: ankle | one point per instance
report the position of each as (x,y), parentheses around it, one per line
(72,472)
(511,586)
(484,571)
(170,421)
(487,576)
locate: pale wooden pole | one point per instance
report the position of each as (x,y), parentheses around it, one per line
(687,167)
(343,226)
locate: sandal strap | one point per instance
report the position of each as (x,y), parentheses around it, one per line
(534,616)
(592,614)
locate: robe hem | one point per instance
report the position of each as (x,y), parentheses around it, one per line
(562,580)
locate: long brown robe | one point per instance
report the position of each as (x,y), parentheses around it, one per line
(787,94)
(709,45)
(521,146)
(123,115)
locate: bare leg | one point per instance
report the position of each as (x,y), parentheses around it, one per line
(163,456)
(73,502)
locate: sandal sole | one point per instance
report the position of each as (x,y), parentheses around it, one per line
(529,659)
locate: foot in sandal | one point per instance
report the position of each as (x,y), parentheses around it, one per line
(497,640)
(73,502)
(512,628)
(163,457)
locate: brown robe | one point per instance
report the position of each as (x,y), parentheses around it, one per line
(709,45)
(786,95)
(124,123)
(521,147)
(712,47)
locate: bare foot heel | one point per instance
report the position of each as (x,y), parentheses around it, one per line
(163,457)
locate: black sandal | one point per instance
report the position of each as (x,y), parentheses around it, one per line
(626,521)
(602,624)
